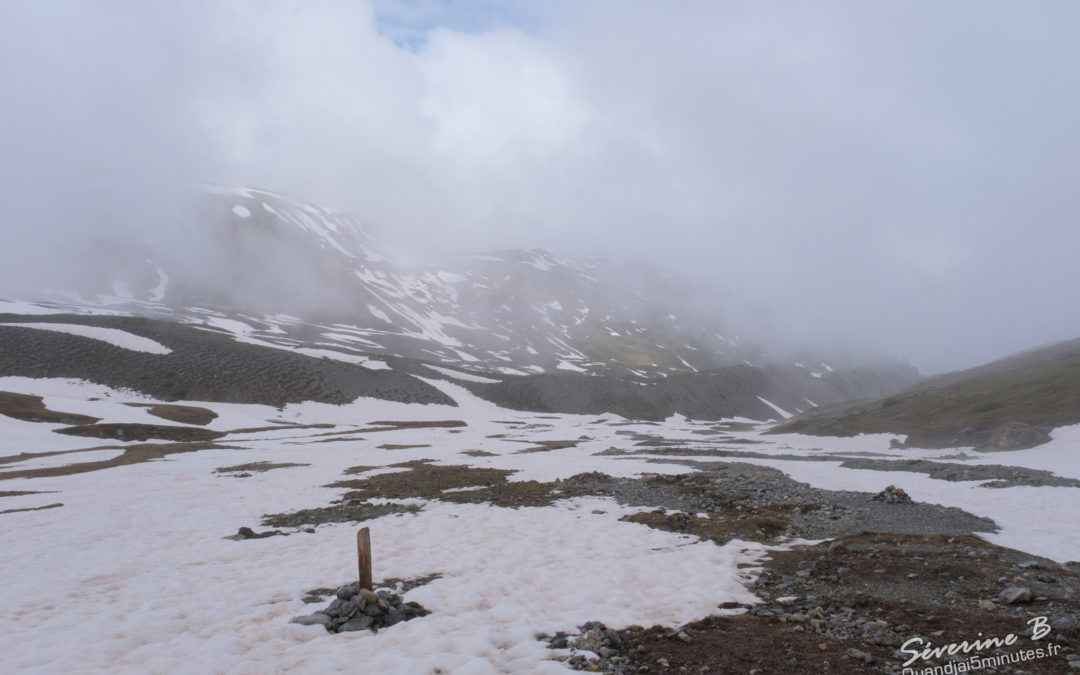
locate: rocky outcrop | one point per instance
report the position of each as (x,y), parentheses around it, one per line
(1014,436)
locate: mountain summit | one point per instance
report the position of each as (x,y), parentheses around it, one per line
(268,270)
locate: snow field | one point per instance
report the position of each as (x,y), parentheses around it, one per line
(133,575)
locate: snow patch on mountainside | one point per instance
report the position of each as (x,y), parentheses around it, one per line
(113,336)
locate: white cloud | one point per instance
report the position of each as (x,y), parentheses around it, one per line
(786,151)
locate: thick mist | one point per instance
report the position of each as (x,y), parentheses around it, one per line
(899,178)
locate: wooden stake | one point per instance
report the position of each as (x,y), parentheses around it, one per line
(363,553)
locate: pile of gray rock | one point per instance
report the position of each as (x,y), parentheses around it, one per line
(595,648)
(362,609)
(892,495)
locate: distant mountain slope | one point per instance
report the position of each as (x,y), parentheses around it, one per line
(1039,388)
(269,299)
(730,391)
(249,255)
(199,365)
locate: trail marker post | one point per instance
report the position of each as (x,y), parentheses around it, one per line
(363,554)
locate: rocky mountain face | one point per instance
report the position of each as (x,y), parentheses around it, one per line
(523,327)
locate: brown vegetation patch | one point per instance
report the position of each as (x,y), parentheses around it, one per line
(399,446)
(254,430)
(423,480)
(339,439)
(349,511)
(133,454)
(353,470)
(544,446)
(256,467)
(512,494)
(184,414)
(764,524)
(478,453)
(142,432)
(32,409)
(33,508)
(420,424)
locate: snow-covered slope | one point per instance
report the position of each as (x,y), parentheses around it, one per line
(267,268)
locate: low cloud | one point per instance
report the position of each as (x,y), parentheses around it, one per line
(898,176)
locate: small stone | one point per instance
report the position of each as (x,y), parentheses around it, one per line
(368,594)
(987,606)
(823,647)
(359,623)
(346,592)
(683,636)
(613,638)
(316,619)
(394,616)
(1046,578)
(1014,595)
(373,609)
(1065,623)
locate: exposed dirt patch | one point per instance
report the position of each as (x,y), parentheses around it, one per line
(545,446)
(420,424)
(339,439)
(33,508)
(133,454)
(349,511)
(458,484)
(847,606)
(19,493)
(399,446)
(512,494)
(424,480)
(142,432)
(765,524)
(353,470)
(184,414)
(255,467)
(478,453)
(32,409)
(23,456)
(279,427)
(964,573)
(245,533)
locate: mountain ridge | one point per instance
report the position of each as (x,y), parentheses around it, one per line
(283,274)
